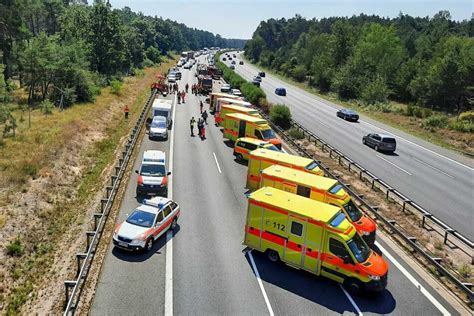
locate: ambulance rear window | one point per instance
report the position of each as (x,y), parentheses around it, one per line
(336,220)
(335,188)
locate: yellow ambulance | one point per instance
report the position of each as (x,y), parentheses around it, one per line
(321,189)
(229,108)
(261,159)
(312,236)
(214,96)
(237,125)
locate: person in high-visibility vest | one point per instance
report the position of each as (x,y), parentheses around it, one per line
(126,109)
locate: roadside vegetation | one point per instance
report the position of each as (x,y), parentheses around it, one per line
(416,74)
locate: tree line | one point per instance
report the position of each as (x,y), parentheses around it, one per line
(425,61)
(69,48)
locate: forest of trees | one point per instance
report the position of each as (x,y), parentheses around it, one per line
(54,47)
(427,62)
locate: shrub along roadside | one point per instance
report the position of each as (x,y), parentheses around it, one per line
(280,115)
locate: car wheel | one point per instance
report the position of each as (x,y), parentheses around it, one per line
(149,244)
(353,286)
(174,224)
(239,157)
(272,255)
(376,147)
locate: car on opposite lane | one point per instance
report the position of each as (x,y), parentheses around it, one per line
(232,67)
(241,62)
(146,224)
(280,91)
(380,142)
(257,78)
(152,175)
(261,74)
(233,62)
(348,115)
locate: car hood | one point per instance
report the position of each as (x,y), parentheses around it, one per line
(152,180)
(131,231)
(158,130)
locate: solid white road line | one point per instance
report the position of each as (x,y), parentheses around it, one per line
(349,297)
(217,163)
(260,283)
(432,167)
(394,165)
(169,234)
(413,280)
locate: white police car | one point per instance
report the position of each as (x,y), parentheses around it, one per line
(146,224)
(152,175)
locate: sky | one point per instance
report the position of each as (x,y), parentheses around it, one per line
(239,19)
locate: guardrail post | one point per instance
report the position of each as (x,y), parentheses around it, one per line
(79,256)
(96,217)
(388,192)
(108,190)
(447,231)
(117,170)
(373,182)
(68,285)
(103,202)
(423,220)
(88,235)
(362,170)
(113,178)
(404,204)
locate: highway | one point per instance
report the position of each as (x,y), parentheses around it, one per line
(202,269)
(439,180)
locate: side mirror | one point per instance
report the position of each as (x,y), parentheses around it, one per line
(169,173)
(347,260)
(136,171)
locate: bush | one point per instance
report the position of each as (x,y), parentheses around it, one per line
(467,116)
(376,91)
(438,121)
(15,248)
(46,107)
(280,115)
(253,93)
(298,73)
(415,111)
(296,133)
(116,87)
(462,126)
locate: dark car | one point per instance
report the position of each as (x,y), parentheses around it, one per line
(280,91)
(261,73)
(224,59)
(348,115)
(241,62)
(380,142)
(255,82)
(257,78)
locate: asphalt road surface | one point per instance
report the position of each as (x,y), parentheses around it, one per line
(207,272)
(439,180)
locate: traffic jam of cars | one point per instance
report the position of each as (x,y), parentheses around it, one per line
(295,214)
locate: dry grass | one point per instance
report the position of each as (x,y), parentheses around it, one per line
(51,181)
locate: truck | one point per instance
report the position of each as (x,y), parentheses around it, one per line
(312,236)
(261,159)
(162,107)
(214,72)
(320,189)
(205,83)
(237,125)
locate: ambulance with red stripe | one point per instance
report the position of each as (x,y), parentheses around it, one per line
(312,236)
(229,108)
(261,159)
(237,125)
(146,224)
(214,96)
(321,189)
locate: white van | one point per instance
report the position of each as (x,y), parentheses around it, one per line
(163,107)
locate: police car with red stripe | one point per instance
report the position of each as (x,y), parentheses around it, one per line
(146,224)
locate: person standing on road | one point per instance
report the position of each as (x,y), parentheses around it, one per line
(204,115)
(126,109)
(191,123)
(187,87)
(200,125)
(183,94)
(200,106)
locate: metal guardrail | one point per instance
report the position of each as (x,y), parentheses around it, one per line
(100,218)
(410,242)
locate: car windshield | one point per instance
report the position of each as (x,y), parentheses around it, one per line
(389,140)
(141,218)
(359,248)
(353,211)
(271,147)
(268,134)
(335,188)
(158,124)
(313,165)
(153,170)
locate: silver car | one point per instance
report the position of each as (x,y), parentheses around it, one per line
(158,128)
